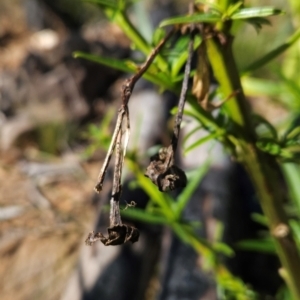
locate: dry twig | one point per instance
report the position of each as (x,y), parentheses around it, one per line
(119,233)
(161,170)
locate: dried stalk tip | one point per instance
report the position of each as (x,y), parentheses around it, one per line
(92,238)
(98,187)
(117,235)
(163,173)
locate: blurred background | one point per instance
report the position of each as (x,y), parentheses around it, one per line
(51,148)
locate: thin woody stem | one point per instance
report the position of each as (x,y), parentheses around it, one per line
(130,83)
(110,151)
(115,218)
(182,99)
(151,57)
(183,93)
(127,89)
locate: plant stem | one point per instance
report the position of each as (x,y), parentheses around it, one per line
(262,168)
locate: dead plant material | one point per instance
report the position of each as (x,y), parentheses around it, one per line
(119,233)
(162,171)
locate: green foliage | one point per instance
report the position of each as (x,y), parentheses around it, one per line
(234,12)
(273,54)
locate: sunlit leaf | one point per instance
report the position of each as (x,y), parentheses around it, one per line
(158,35)
(180,49)
(125,66)
(258,86)
(192,185)
(272,54)
(255,12)
(203,140)
(152,74)
(223,248)
(293,133)
(291,86)
(195,18)
(269,145)
(144,216)
(233,8)
(190,133)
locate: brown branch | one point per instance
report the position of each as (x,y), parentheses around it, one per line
(183,93)
(127,89)
(161,170)
(119,233)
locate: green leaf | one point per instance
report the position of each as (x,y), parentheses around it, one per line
(195,18)
(125,66)
(180,49)
(273,54)
(259,120)
(158,35)
(190,133)
(258,86)
(202,116)
(153,75)
(296,230)
(292,176)
(269,145)
(178,54)
(163,200)
(205,139)
(291,86)
(258,23)
(293,133)
(142,20)
(259,245)
(284,293)
(188,191)
(255,12)
(233,8)
(121,19)
(144,216)
(223,248)
(182,234)
(260,219)
(291,153)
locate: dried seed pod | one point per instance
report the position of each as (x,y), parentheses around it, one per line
(163,173)
(161,170)
(117,235)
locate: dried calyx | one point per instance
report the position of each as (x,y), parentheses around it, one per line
(162,171)
(117,235)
